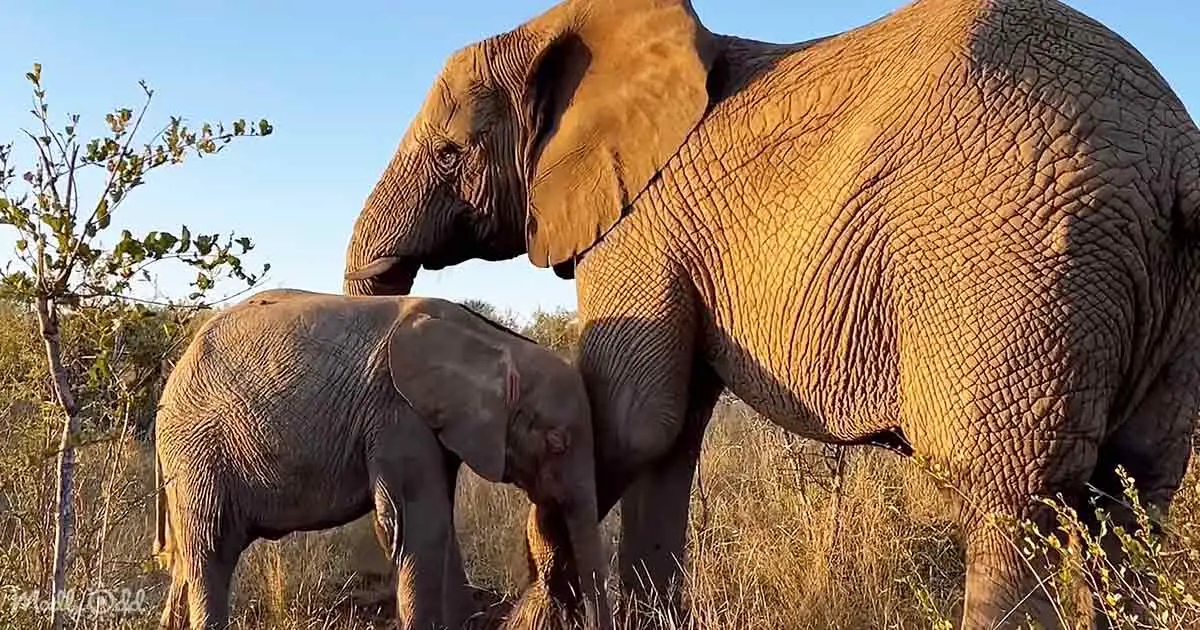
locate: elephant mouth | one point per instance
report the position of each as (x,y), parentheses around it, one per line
(388,275)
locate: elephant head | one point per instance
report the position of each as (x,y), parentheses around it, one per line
(535,141)
(514,412)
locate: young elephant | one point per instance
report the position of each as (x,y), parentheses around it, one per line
(298,411)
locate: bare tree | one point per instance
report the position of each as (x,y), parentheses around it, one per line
(62,266)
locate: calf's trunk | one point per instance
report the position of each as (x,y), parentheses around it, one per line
(583,530)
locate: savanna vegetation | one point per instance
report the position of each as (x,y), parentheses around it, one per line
(785,532)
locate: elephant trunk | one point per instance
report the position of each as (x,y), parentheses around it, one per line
(377,261)
(566,561)
(583,530)
(398,282)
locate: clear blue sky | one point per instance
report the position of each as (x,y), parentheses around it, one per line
(340,81)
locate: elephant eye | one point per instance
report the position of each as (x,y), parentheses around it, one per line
(447,155)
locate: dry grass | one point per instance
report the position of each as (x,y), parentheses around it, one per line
(768,548)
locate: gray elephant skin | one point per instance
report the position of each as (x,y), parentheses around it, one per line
(296,411)
(968,228)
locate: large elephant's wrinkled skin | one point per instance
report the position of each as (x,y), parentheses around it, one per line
(972,224)
(296,411)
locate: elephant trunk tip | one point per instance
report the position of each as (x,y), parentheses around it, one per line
(388,275)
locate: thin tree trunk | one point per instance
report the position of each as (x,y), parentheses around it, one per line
(116,459)
(48,322)
(839,490)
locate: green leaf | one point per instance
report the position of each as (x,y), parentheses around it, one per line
(185,240)
(102,216)
(87,255)
(54,222)
(265,128)
(163,243)
(22,245)
(151,242)
(203,281)
(204,244)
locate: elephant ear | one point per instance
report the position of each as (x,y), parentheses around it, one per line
(461,384)
(613,89)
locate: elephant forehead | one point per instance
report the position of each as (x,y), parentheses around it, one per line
(458,104)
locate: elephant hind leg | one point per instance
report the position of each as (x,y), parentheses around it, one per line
(209,545)
(1002,584)
(209,580)
(1153,446)
(1154,443)
(1007,580)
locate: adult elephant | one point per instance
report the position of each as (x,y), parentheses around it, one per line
(968,226)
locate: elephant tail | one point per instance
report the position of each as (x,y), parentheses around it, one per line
(164,541)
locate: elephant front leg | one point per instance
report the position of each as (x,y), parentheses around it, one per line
(413,511)
(654,510)
(652,396)
(455,586)
(552,595)
(654,514)
(420,546)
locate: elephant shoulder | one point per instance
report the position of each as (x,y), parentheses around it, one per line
(461,313)
(431,306)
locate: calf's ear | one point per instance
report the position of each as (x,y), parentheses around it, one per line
(463,385)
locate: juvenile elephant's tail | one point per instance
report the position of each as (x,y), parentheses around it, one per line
(164,542)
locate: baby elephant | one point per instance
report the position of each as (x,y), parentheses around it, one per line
(299,411)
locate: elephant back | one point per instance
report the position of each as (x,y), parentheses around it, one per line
(286,345)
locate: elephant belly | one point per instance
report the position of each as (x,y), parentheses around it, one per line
(811,397)
(817,355)
(950,341)
(306,494)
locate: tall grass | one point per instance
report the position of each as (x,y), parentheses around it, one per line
(767,549)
